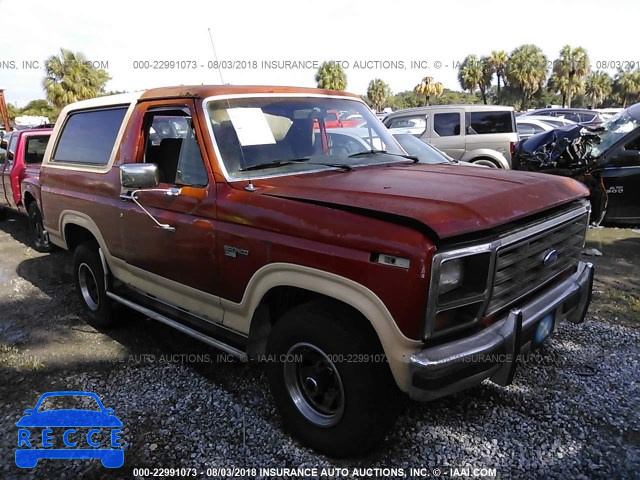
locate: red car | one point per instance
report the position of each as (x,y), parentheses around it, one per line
(19,174)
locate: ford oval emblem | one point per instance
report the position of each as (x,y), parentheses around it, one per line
(550,258)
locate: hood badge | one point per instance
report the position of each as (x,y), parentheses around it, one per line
(550,257)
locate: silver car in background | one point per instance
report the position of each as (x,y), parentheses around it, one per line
(481,134)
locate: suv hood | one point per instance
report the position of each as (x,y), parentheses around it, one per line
(450,200)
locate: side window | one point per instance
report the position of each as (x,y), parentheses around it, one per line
(492,122)
(446,124)
(587,117)
(88,136)
(11,149)
(574,117)
(35,149)
(633,144)
(413,125)
(171,143)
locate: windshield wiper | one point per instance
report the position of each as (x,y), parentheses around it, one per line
(280,163)
(374,152)
(275,164)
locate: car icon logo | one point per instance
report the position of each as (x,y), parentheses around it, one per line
(550,258)
(69,433)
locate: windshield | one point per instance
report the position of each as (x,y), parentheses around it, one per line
(613,130)
(297,134)
(416,147)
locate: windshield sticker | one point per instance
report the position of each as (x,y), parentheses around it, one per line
(251,126)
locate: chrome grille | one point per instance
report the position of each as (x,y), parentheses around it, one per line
(520,269)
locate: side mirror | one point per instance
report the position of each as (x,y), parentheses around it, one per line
(3,144)
(139,175)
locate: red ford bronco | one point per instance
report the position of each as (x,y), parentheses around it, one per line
(23,151)
(352,271)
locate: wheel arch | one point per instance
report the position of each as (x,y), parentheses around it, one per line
(279,280)
(486,154)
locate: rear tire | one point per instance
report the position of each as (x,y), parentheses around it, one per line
(90,285)
(39,238)
(328,396)
(3,213)
(486,162)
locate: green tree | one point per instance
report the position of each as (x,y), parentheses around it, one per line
(378,94)
(475,73)
(331,76)
(527,71)
(570,69)
(70,77)
(598,86)
(497,62)
(428,88)
(627,83)
(40,108)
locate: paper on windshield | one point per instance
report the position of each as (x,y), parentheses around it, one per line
(251,126)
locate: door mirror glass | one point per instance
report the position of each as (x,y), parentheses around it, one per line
(139,175)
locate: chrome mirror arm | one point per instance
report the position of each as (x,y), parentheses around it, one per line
(173,192)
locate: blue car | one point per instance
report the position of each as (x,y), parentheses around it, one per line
(111,457)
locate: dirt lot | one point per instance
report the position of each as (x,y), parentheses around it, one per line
(572,411)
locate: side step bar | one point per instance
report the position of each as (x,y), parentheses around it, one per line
(178,326)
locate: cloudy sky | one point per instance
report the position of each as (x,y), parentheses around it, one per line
(133,37)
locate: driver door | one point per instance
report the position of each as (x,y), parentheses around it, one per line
(622,181)
(176,264)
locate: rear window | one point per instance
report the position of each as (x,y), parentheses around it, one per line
(35,149)
(88,137)
(492,122)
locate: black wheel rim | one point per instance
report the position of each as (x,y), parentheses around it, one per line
(314,384)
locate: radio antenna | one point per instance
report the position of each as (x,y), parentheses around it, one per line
(250,186)
(215,55)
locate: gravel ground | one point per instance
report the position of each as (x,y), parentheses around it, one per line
(572,411)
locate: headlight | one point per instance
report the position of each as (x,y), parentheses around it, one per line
(451,275)
(459,289)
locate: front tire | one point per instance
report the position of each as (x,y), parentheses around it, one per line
(330,380)
(39,237)
(90,285)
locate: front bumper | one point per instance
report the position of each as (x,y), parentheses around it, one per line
(493,352)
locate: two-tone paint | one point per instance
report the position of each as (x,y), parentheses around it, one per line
(319,232)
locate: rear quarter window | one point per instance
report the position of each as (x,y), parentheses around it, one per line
(35,149)
(88,136)
(492,122)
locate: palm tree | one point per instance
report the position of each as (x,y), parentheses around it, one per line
(475,73)
(527,71)
(378,93)
(70,77)
(331,76)
(429,88)
(498,63)
(598,86)
(573,66)
(628,83)
(560,84)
